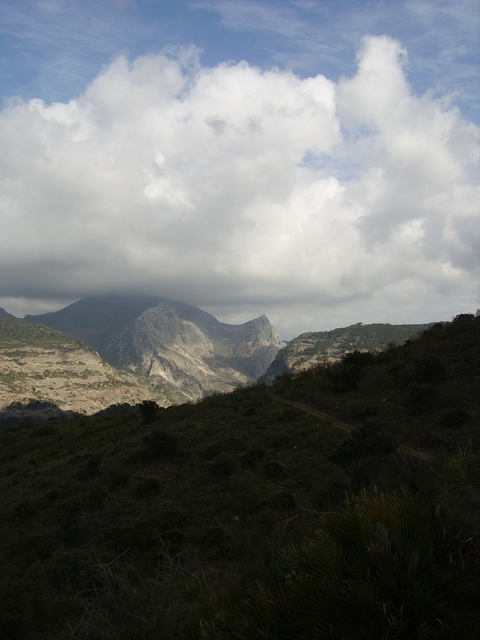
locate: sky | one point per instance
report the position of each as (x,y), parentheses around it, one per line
(315,161)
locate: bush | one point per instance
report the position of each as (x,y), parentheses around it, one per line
(69,568)
(149,411)
(456,418)
(252,456)
(145,488)
(273,469)
(420,397)
(161,443)
(382,567)
(346,377)
(116,474)
(361,358)
(370,439)
(429,368)
(223,465)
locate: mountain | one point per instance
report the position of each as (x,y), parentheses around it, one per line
(41,367)
(288,510)
(5,314)
(313,347)
(170,340)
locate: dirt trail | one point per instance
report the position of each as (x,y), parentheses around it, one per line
(314,412)
(345,427)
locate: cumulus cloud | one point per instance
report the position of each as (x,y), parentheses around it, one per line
(232,187)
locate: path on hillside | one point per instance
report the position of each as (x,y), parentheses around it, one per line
(345,427)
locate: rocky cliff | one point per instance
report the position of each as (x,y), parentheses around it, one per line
(314,347)
(40,364)
(170,341)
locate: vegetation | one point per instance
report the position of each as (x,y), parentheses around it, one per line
(341,502)
(318,346)
(17,333)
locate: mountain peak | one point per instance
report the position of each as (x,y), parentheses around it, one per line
(170,339)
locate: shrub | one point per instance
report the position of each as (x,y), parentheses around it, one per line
(90,468)
(382,567)
(24,511)
(361,358)
(116,474)
(149,411)
(69,567)
(456,418)
(252,456)
(429,368)
(273,469)
(370,439)
(161,443)
(420,397)
(145,488)
(346,377)
(223,465)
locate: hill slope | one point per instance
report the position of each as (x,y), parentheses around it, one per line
(170,340)
(313,347)
(42,364)
(5,314)
(229,517)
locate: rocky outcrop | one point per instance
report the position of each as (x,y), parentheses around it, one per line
(170,341)
(315,347)
(42,365)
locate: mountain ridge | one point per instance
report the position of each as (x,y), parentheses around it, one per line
(315,347)
(168,339)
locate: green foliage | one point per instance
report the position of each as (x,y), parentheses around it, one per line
(456,418)
(159,442)
(149,411)
(381,567)
(261,518)
(420,396)
(370,439)
(361,358)
(429,368)
(116,473)
(18,333)
(273,468)
(145,488)
(346,376)
(223,465)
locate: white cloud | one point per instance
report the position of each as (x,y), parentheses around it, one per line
(226,187)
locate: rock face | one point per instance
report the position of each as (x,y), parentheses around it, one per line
(43,365)
(314,347)
(170,341)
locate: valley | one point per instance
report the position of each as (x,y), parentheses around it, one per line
(322,492)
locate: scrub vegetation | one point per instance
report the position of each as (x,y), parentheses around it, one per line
(340,502)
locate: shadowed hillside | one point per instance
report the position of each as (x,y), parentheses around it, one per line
(338,502)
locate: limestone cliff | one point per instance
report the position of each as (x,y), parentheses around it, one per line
(170,341)
(39,363)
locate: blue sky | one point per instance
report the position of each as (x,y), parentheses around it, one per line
(346,56)
(52,49)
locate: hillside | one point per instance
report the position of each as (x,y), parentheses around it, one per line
(170,340)
(282,511)
(46,366)
(5,314)
(313,347)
